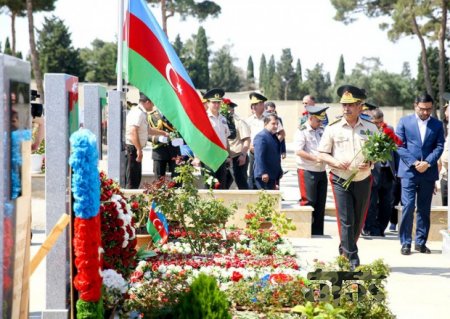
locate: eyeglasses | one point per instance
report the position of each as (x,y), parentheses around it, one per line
(423,109)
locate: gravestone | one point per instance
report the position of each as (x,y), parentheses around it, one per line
(61,106)
(15,186)
(116,136)
(95,113)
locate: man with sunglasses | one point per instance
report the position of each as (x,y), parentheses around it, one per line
(423,143)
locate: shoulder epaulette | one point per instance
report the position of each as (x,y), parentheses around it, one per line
(303,127)
(367,120)
(335,121)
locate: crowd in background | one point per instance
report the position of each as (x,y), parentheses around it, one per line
(365,193)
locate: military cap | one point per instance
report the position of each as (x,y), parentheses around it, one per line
(318,111)
(351,94)
(143,97)
(214,95)
(202,94)
(256,98)
(229,102)
(369,106)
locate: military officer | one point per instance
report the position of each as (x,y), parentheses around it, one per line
(340,148)
(312,177)
(219,123)
(239,146)
(163,152)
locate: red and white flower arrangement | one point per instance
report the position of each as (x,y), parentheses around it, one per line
(118,232)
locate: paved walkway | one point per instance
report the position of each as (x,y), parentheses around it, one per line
(418,286)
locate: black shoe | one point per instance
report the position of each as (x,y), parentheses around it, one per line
(423,249)
(406,249)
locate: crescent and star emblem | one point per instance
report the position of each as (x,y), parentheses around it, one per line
(172,77)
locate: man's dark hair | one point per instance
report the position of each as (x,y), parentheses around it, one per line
(143,97)
(377,114)
(269,104)
(269,117)
(424,97)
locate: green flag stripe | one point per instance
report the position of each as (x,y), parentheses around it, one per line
(144,76)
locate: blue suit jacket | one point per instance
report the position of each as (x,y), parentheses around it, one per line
(414,150)
(267,155)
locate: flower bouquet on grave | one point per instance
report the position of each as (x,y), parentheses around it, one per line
(378,148)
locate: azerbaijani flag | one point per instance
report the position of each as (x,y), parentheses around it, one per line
(157,225)
(151,65)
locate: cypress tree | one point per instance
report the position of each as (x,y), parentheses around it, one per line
(340,73)
(262,72)
(202,59)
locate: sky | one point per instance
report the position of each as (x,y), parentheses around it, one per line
(251,28)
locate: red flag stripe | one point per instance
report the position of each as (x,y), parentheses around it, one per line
(156,55)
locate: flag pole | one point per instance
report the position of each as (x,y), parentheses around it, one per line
(120,47)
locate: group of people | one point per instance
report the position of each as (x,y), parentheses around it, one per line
(256,147)
(367,203)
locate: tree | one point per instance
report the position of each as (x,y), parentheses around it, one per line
(34,53)
(318,83)
(56,53)
(434,66)
(100,61)
(18,8)
(178,46)
(340,73)
(383,88)
(250,75)
(200,75)
(298,70)
(286,72)
(262,72)
(405,15)
(224,73)
(441,35)
(198,9)
(8,50)
(273,88)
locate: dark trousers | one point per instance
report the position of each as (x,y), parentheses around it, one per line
(313,188)
(381,199)
(240,173)
(133,172)
(351,209)
(444,191)
(270,185)
(423,189)
(220,175)
(160,168)
(251,177)
(396,199)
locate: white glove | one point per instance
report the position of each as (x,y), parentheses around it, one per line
(177,142)
(163,139)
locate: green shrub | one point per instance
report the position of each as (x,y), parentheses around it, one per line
(203,301)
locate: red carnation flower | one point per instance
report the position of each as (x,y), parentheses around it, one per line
(236,276)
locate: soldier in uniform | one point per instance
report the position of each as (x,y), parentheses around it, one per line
(239,146)
(340,148)
(219,123)
(163,152)
(312,177)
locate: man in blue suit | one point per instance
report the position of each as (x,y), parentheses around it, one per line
(267,169)
(423,143)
